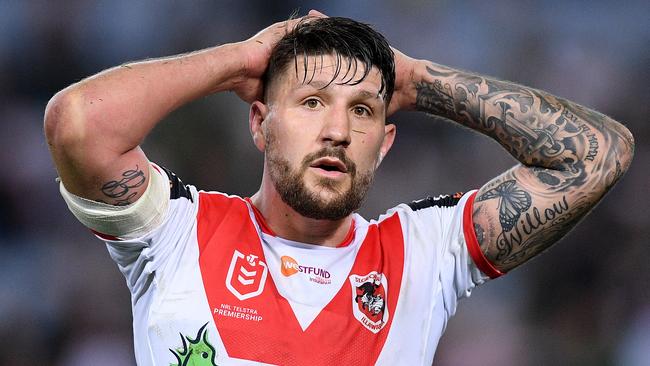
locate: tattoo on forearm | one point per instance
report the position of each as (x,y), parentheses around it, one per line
(122,191)
(435,98)
(538,129)
(593,143)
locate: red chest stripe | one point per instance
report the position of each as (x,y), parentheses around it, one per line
(260,325)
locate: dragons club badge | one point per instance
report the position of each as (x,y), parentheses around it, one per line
(369,300)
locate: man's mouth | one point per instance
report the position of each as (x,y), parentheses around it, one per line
(329,164)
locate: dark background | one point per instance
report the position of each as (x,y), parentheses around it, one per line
(585,302)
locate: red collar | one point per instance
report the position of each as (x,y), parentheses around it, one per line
(267,230)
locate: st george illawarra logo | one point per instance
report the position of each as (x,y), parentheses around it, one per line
(246,275)
(369,304)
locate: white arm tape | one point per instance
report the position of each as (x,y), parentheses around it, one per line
(126,222)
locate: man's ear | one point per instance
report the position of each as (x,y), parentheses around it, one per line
(389,137)
(256,117)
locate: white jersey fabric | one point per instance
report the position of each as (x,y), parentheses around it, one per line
(213,284)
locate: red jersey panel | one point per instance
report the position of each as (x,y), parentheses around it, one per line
(212,282)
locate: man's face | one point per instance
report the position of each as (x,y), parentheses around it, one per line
(323,142)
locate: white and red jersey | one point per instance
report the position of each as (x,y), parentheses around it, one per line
(214,282)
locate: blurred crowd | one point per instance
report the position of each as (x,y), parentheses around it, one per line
(585,302)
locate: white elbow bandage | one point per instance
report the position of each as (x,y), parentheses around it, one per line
(127,222)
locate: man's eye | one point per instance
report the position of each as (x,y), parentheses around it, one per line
(361,111)
(311,103)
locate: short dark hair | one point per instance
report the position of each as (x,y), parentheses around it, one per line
(349,41)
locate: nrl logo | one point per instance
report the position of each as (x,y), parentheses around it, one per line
(246,275)
(369,300)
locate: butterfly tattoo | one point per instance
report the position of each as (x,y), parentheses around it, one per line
(513,202)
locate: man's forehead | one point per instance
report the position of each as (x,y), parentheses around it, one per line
(322,71)
(320,84)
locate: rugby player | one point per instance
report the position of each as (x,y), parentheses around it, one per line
(292,275)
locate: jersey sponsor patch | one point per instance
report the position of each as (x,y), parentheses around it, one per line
(369,300)
(246,275)
(290,267)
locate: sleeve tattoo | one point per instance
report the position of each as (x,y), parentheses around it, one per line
(570,157)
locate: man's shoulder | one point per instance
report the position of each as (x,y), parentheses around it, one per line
(445,200)
(417,207)
(176,187)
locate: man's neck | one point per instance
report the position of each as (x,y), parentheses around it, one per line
(289,224)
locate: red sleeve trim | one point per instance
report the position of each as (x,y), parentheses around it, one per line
(472,243)
(105,236)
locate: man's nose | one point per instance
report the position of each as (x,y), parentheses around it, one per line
(336,127)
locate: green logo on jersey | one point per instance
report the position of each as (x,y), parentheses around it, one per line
(195,352)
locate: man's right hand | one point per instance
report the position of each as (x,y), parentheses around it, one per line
(256,53)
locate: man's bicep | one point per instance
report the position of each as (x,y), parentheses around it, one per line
(525,210)
(117,181)
(130,220)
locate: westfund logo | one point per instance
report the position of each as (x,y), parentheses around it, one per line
(290,267)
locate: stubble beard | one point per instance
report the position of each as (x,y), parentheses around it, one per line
(291,186)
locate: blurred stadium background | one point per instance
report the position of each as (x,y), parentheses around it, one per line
(585,302)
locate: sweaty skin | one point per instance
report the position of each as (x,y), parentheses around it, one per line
(303,118)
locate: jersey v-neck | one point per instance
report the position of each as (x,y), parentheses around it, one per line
(347,240)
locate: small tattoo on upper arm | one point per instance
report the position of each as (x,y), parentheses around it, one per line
(121,190)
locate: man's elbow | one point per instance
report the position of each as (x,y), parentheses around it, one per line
(623,142)
(64,122)
(616,155)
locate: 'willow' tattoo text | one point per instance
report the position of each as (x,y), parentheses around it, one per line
(528,233)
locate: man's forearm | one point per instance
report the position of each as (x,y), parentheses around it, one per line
(538,129)
(124,103)
(94,127)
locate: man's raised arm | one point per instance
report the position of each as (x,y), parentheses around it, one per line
(570,156)
(94,128)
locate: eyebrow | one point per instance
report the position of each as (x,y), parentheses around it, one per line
(368,95)
(319,85)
